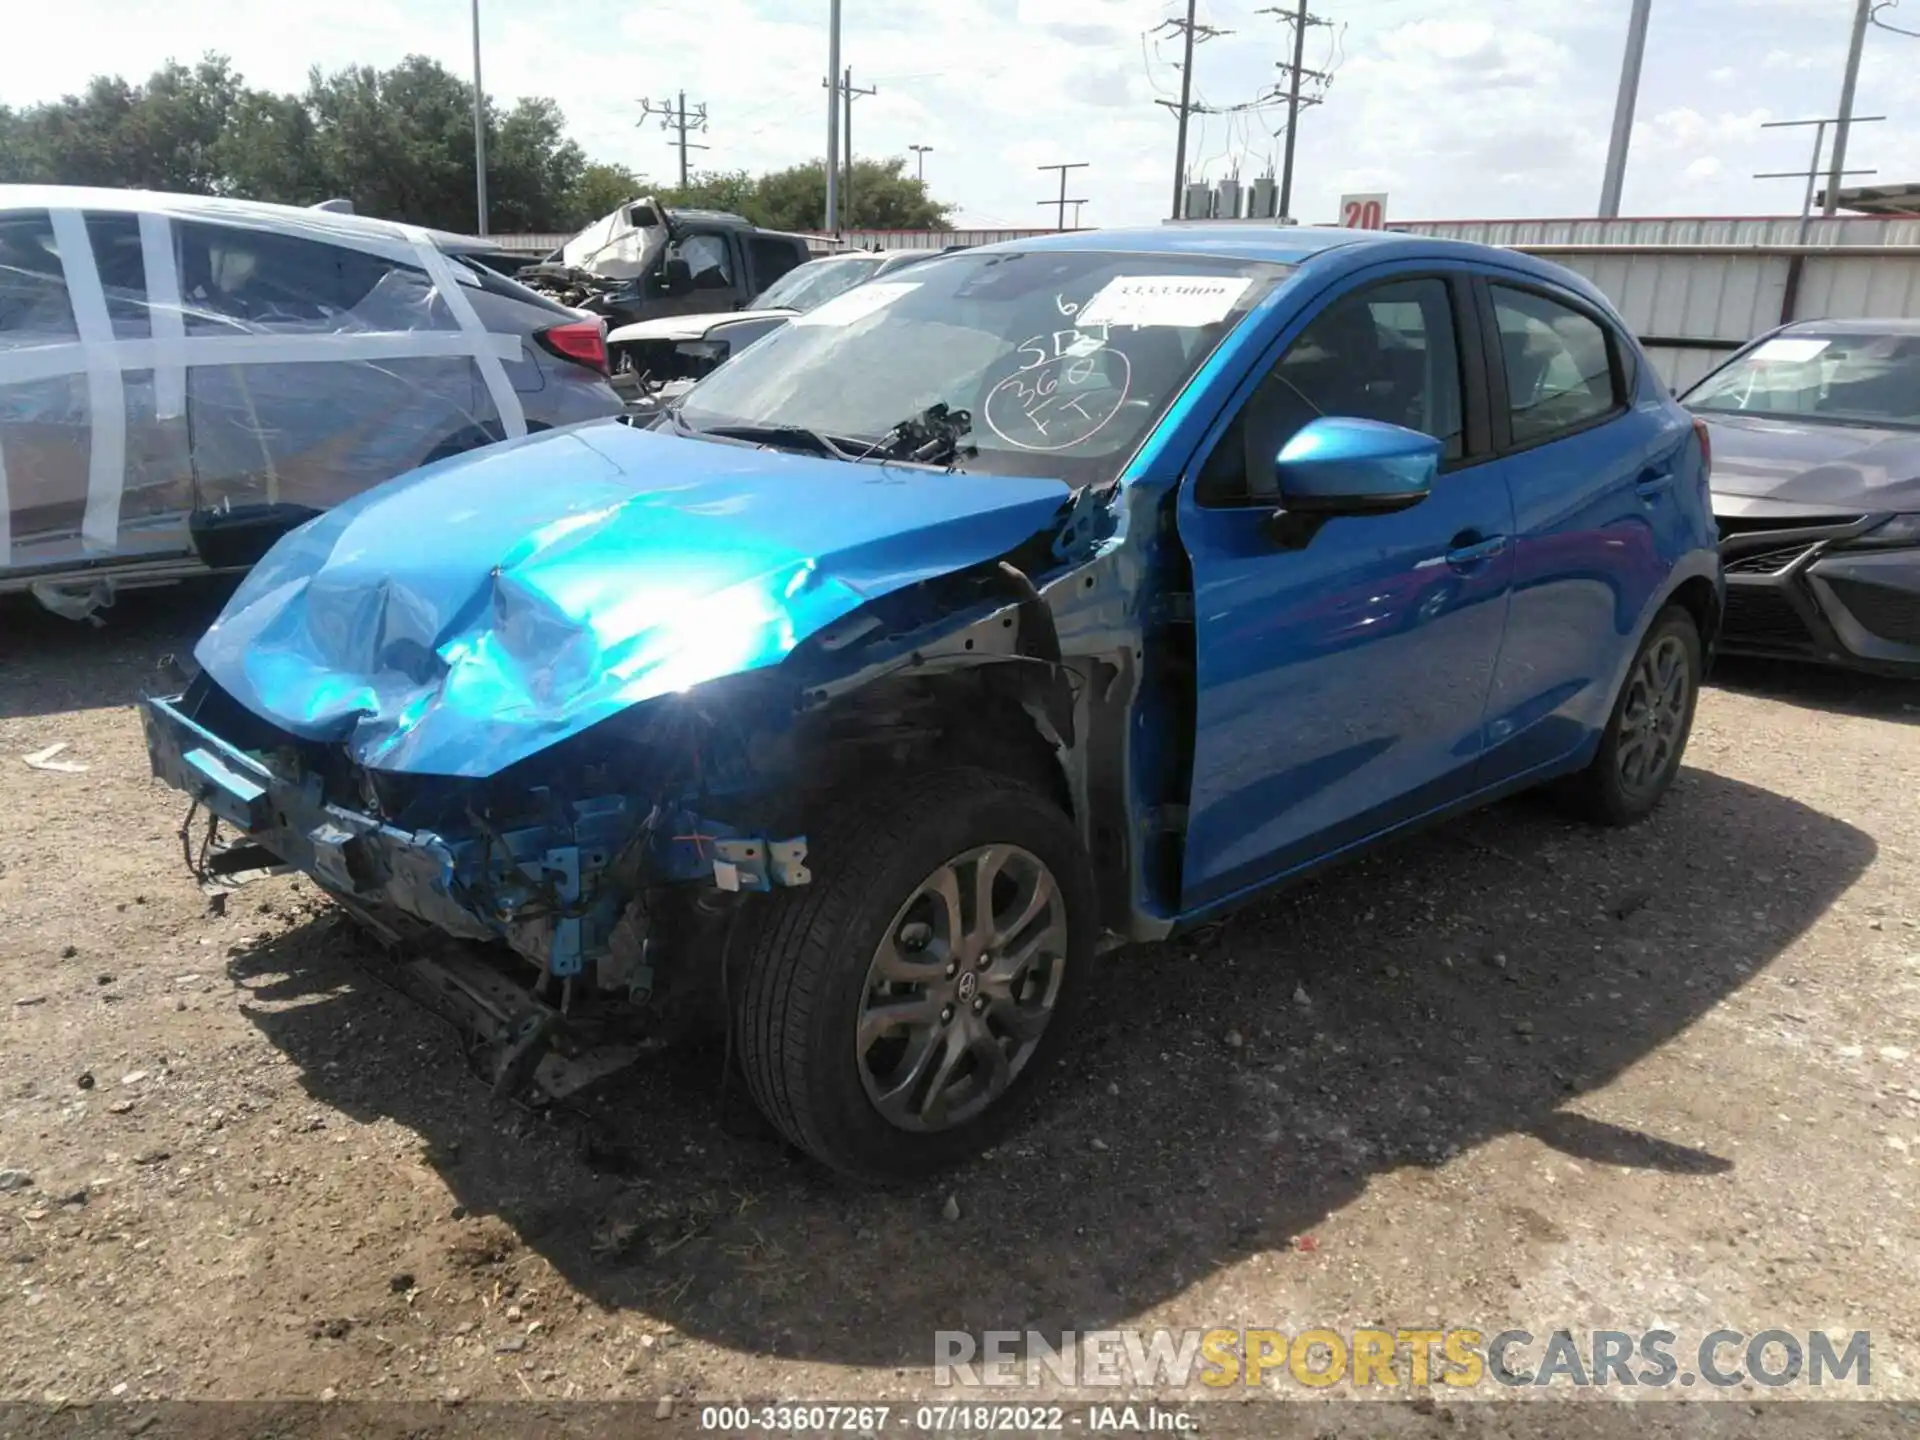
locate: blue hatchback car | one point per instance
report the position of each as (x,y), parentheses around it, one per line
(1051,596)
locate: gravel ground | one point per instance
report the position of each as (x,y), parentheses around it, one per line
(1512,1073)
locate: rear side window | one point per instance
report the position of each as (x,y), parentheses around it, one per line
(123,272)
(261,277)
(507,288)
(1560,366)
(771,258)
(33,288)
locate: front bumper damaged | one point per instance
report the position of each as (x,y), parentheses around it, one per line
(567,892)
(554,891)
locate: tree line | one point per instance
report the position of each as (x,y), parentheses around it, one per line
(398,144)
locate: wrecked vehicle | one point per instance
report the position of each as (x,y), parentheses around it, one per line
(185,379)
(655,361)
(1050,596)
(644,261)
(1817,490)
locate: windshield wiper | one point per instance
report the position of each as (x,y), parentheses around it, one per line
(933,437)
(781,436)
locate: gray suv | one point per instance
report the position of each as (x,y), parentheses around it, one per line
(185,379)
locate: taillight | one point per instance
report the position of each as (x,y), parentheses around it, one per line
(1706,446)
(582,341)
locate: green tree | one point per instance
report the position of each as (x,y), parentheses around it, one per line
(884,197)
(162,135)
(598,190)
(397,143)
(268,151)
(730,190)
(532,164)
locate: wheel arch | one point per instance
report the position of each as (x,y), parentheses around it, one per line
(1031,722)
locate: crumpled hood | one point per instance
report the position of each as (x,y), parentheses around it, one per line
(688,327)
(477,610)
(1840,468)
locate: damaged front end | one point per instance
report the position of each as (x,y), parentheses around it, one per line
(586,864)
(545,754)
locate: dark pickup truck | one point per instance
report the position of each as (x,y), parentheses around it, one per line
(645,261)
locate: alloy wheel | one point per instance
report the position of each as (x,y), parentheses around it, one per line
(961,988)
(1654,717)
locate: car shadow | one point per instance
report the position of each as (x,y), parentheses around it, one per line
(1229,1091)
(142,645)
(1820,687)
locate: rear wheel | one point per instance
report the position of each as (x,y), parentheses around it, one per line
(1647,733)
(896,1013)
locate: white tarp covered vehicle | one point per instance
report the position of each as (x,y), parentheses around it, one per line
(183,379)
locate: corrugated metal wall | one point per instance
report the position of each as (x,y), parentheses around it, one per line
(1670,286)
(933,239)
(547,244)
(1681,230)
(820,244)
(530,244)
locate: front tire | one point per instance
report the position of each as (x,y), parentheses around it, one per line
(897,1013)
(1646,735)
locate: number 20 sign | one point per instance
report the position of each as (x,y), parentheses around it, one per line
(1363,212)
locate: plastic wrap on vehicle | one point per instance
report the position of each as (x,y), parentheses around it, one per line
(171,365)
(490,606)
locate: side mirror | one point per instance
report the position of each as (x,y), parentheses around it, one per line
(1341,466)
(676,278)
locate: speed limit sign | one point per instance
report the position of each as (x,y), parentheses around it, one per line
(1363,212)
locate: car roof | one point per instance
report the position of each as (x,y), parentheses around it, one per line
(1285,244)
(1889,326)
(1301,244)
(321,224)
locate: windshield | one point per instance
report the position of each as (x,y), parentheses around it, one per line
(813,283)
(1826,379)
(1063,359)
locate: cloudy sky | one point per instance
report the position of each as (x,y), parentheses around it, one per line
(1455,108)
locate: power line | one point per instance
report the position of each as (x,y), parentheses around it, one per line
(677,119)
(1873,18)
(1191,31)
(1060,222)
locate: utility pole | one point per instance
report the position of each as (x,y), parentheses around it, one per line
(1862,11)
(1191,31)
(1812,173)
(1060,222)
(1623,108)
(1296,72)
(677,119)
(920,161)
(833,119)
(479,127)
(847,89)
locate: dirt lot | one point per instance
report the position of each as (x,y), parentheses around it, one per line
(1513,1073)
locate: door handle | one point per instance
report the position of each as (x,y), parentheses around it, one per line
(1467,549)
(1652,484)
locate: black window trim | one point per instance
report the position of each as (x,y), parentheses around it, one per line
(1500,406)
(1476,399)
(793,247)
